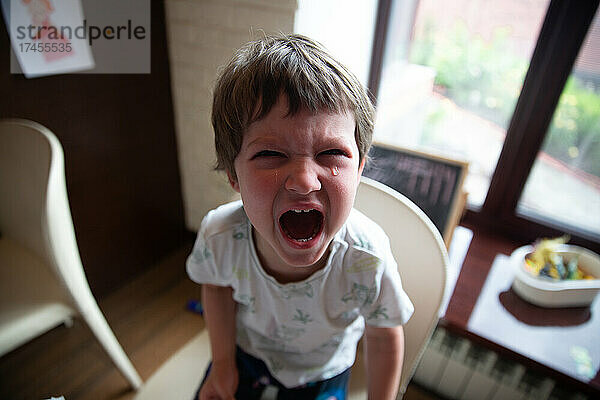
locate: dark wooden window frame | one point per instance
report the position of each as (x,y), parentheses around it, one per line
(561,36)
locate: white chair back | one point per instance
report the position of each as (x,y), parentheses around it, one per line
(422,261)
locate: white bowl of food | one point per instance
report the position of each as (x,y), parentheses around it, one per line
(575,284)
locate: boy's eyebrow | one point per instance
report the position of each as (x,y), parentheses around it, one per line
(274,140)
(342,138)
(263,140)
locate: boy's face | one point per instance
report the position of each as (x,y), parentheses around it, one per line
(297,176)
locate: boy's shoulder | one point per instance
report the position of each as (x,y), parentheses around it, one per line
(364,233)
(224,218)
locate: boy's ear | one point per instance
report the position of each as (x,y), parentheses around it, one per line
(361,167)
(233,182)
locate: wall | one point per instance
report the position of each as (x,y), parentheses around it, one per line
(203,36)
(122,174)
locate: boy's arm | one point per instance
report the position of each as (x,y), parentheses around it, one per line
(384,351)
(219,315)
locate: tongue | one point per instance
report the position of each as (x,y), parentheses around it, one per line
(300,225)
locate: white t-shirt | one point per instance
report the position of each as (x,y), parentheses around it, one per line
(304,331)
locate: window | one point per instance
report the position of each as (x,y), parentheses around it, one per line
(450,84)
(501,190)
(564,184)
(344,28)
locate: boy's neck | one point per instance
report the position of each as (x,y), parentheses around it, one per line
(287,274)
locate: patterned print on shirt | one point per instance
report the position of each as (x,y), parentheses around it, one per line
(240,232)
(247,301)
(349,316)
(240,273)
(202,254)
(301,317)
(280,337)
(364,264)
(293,290)
(360,294)
(287,333)
(363,243)
(379,313)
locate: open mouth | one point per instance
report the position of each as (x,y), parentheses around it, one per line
(301,225)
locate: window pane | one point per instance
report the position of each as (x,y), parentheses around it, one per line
(564,184)
(344,27)
(450,84)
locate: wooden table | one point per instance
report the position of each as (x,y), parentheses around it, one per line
(563,344)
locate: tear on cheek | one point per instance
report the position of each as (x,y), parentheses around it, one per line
(301,226)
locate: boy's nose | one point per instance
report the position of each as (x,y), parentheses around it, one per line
(303,178)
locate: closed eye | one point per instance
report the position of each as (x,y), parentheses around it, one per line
(267,153)
(334,152)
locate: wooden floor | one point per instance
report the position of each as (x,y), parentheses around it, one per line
(150,321)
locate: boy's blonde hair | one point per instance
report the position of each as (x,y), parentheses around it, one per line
(293,65)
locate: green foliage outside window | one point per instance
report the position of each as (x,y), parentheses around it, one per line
(485,77)
(575,130)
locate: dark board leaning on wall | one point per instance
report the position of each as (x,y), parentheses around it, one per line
(432,182)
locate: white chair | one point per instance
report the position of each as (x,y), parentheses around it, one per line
(422,260)
(42,281)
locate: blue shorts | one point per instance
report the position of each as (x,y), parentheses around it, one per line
(254,377)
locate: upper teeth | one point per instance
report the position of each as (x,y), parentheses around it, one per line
(300,211)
